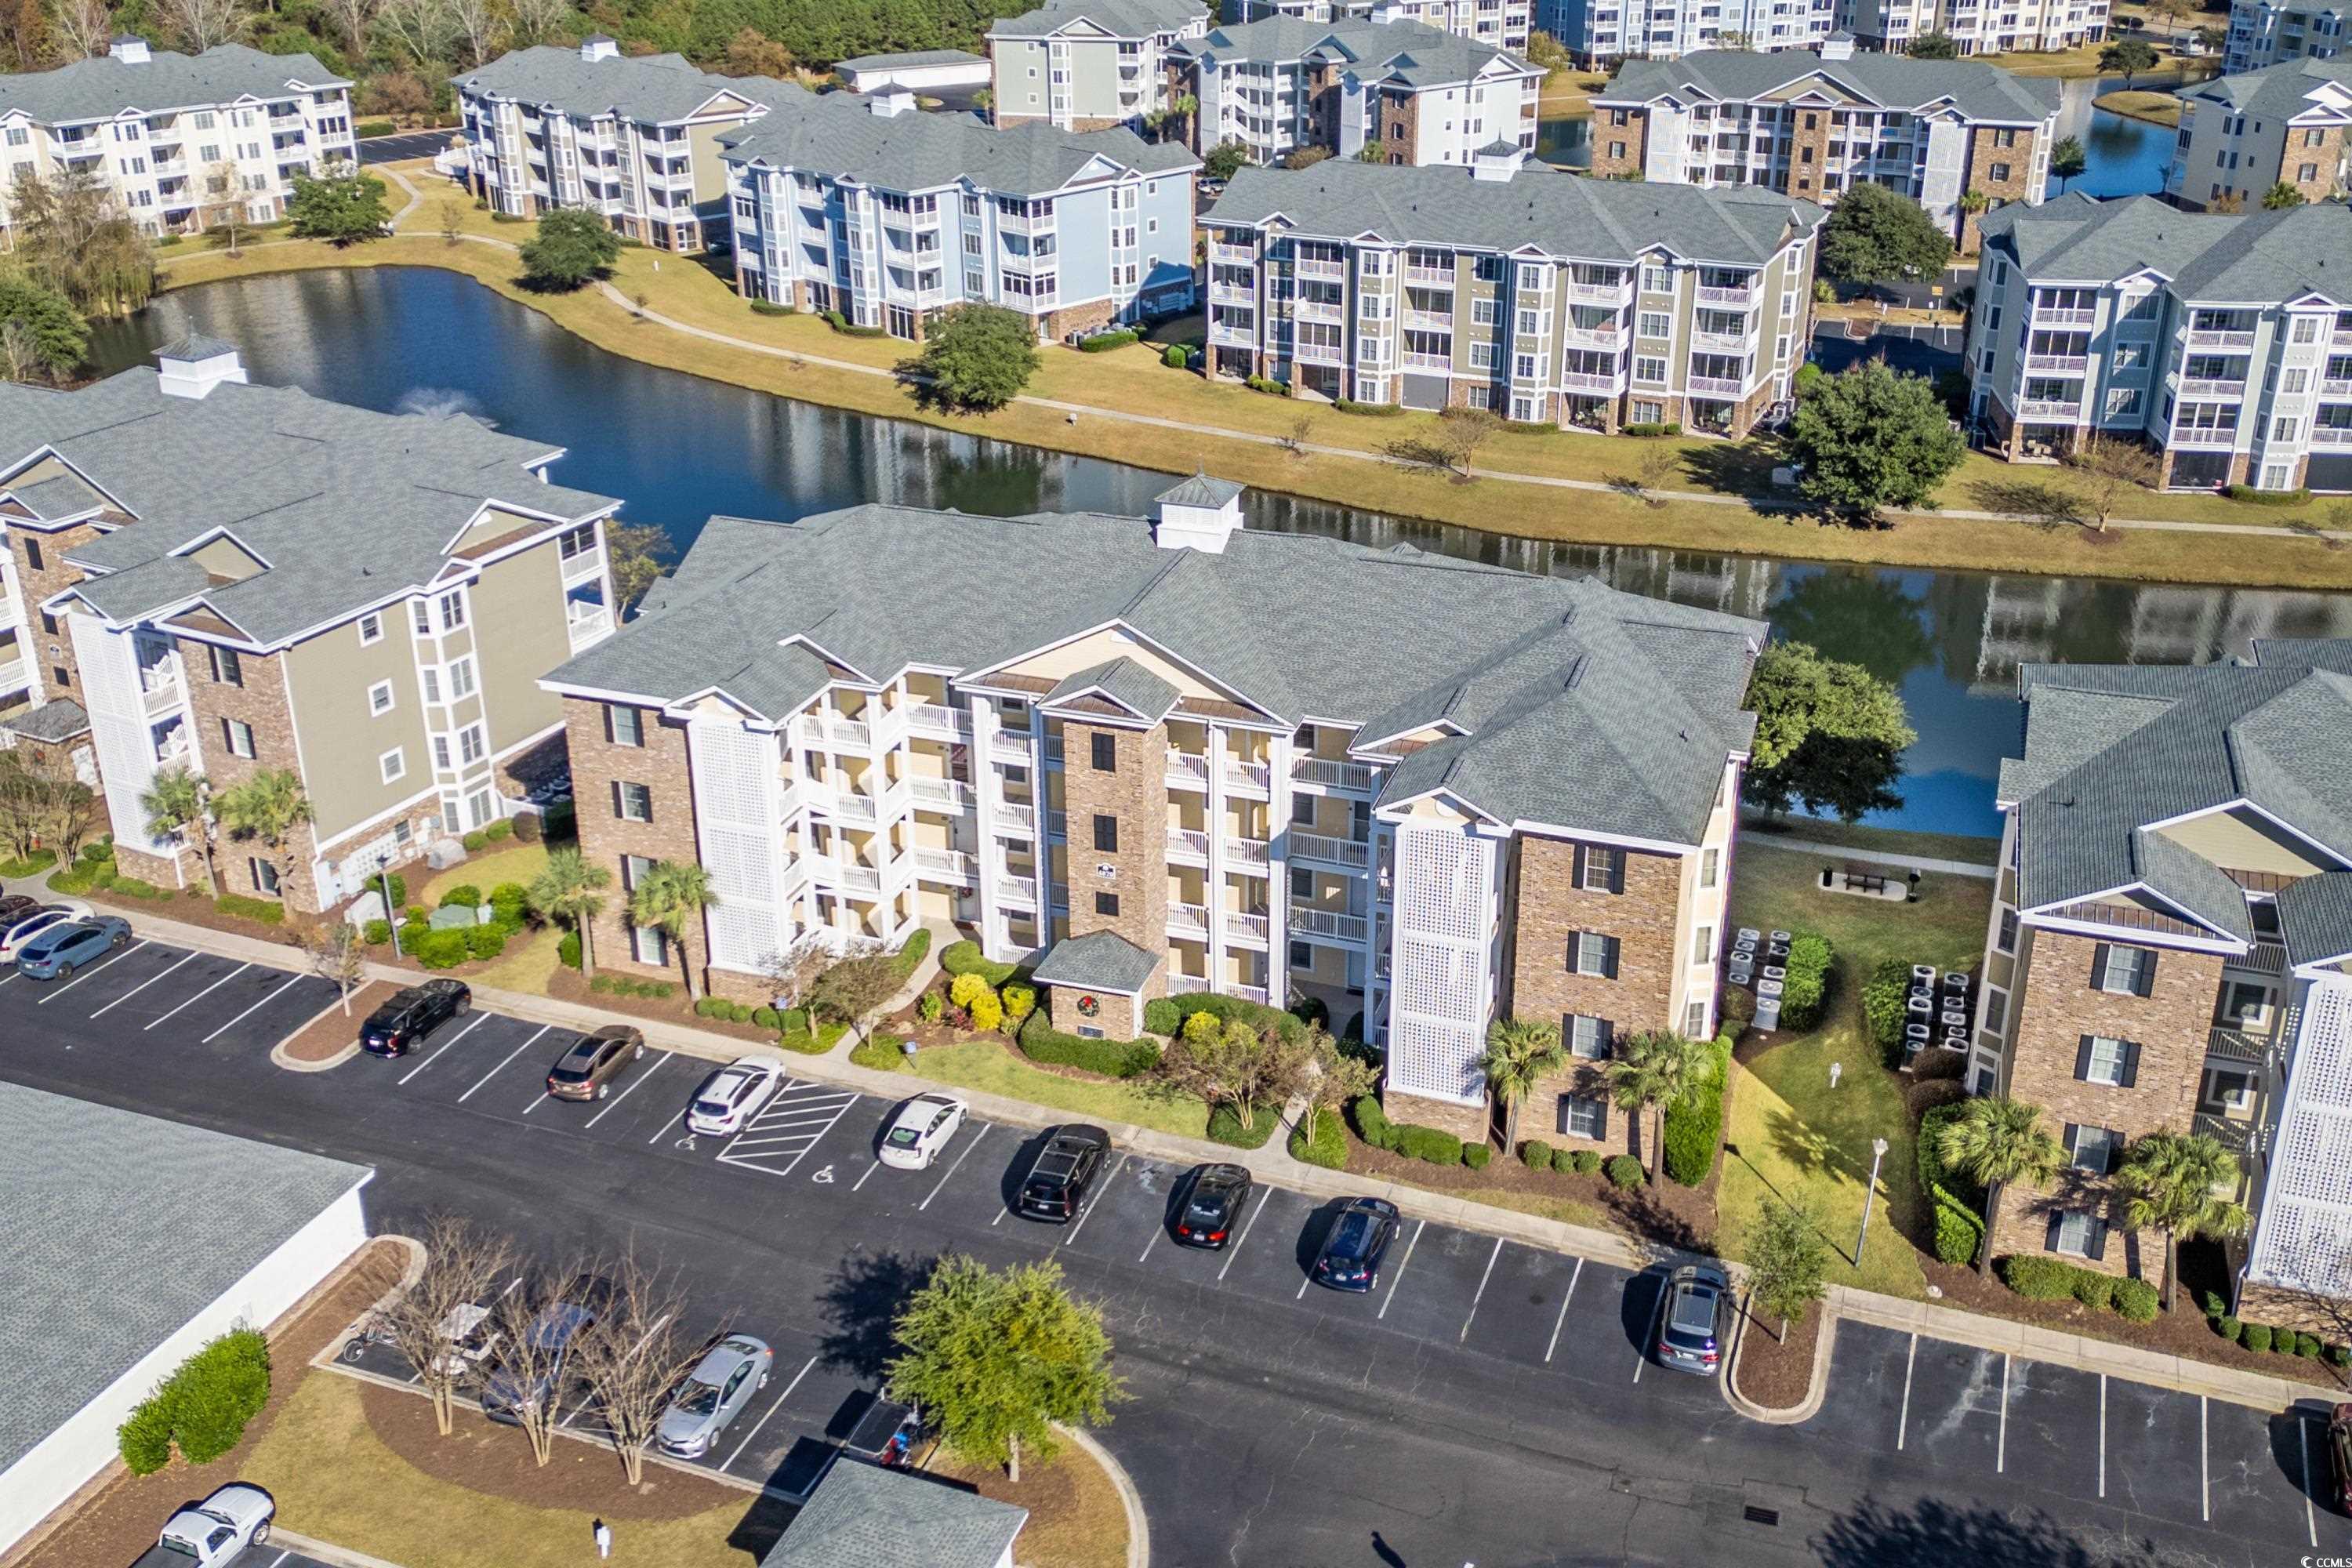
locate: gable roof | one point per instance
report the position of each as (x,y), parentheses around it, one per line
(1117,19)
(1126,683)
(863,1516)
(838,134)
(2280,91)
(652,88)
(103,87)
(1408,53)
(2257,259)
(1980,92)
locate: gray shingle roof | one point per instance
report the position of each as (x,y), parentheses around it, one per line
(1538,208)
(1125,682)
(349,506)
(1120,18)
(1201,490)
(57,497)
(119,1229)
(2258,258)
(1413,54)
(1981,92)
(911,58)
(104,87)
(193,347)
(863,1516)
(2280,91)
(650,88)
(2315,918)
(1099,961)
(839,133)
(1552,675)
(60,719)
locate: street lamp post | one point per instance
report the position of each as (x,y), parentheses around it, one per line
(391,915)
(1869,1193)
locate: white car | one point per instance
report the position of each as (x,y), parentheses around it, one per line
(35,921)
(215,1532)
(732,1095)
(923,1126)
(473,1337)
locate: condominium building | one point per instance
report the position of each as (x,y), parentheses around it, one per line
(633,137)
(1541,295)
(2241,136)
(2263,33)
(863,207)
(1813,123)
(2223,341)
(1084,65)
(2170,950)
(1419,95)
(175,136)
(1499,24)
(1599,31)
(235,579)
(1989,28)
(1426,790)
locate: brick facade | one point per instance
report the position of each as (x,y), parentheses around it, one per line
(1118,1017)
(1134,795)
(52,652)
(1088,318)
(2323,159)
(1985,155)
(257,700)
(1808,153)
(661,766)
(1400,127)
(1608,136)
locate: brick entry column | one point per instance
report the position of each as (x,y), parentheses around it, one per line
(1133,795)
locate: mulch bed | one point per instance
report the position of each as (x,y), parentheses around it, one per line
(1075,1518)
(1777,1373)
(118,1522)
(1666,1212)
(334,1031)
(567,984)
(191,908)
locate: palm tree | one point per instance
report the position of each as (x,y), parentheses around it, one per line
(671,896)
(176,806)
(2170,1178)
(268,807)
(1996,1141)
(1519,1052)
(1653,1070)
(566,888)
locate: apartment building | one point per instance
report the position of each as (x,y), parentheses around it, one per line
(232,578)
(2223,341)
(1977,26)
(1427,791)
(1423,96)
(1540,295)
(1813,123)
(173,135)
(633,138)
(864,206)
(2263,34)
(1599,31)
(1087,64)
(2170,949)
(1499,24)
(2240,136)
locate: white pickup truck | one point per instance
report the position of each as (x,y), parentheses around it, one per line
(213,1531)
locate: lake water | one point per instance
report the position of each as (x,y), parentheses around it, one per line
(678,448)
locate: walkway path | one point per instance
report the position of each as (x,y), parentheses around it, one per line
(1881,856)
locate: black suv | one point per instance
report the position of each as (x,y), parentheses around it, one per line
(1214,1203)
(1056,1186)
(401,1024)
(1356,1244)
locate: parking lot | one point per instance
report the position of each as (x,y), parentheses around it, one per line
(793,1230)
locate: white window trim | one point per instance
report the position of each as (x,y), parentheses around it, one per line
(392,765)
(388,700)
(373,618)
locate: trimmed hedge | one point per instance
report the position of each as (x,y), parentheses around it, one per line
(1670,427)
(440,948)
(263,909)
(769,308)
(484,943)
(1475,1155)
(1266,385)
(1581,1162)
(1883,999)
(499,832)
(567,951)
(2267,498)
(1176,357)
(203,1407)
(1167,1015)
(1372,1125)
(1623,1170)
(622,985)
(1958,1203)
(1225,1127)
(1806,991)
(2257,1337)
(367,128)
(1376,410)
(464,895)
(1041,1042)
(2138,1302)
(375,933)
(2039,1278)
(1327,1148)
(847,328)
(1103,342)
(1694,1122)
(1432,1145)
(1535,1154)
(965,958)
(2135,1300)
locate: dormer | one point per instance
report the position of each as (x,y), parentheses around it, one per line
(130,49)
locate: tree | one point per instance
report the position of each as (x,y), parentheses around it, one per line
(853,991)
(1338,1076)
(354,19)
(1234,1064)
(343,205)
(268,808)
(752,52)
(201,25)
(1935,46)
(570,889)
(631,552)
(1449,446)
(2068,158)
(1870,437)
(2212,40)
(1736,40)
(81,29)
(1654,1069)
(1224,160)
(1786,1261)
(338,953)
(571,249)
(671,896)
(47,337)
(482,23)
(1372,153)
(1973,202)
(2116,465)
(977,356)
(1520,1053)
(1995,1141)
(1307,157)
(2280,197)
(74,234)
(1873,236)
(426,31)
(2229,203)
(2170,1179)
(221,212)
(2171,13)
(634,1359)
(463,1268)
(2130,56)
(537,21)
(533,1364)
(996,1359)
(1830,736)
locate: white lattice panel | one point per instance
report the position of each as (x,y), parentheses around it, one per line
(1441,956)
(118,726)
(740,864)
(739,840)
(734,771)
(1444,884)
(2304,1239)
(741,935)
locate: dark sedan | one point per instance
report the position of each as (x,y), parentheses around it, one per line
(1214,1201)
(401,1024)
(1356,1244)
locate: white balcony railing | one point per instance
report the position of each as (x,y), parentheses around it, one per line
(1617,293)
(941,795)
(1187,844)
(1188,919)
(839,733)
(1247,775)
(588,626)
(1592,337)
(1245,927)
(160,688)
(1017,892)
(1307,920)
(2050,408)
(1332,774)
(1246,992)
(1356,854)
(2212,386)
(1716,385)
(1246,852)
(1711,295)
(2057,318)
(1010,816)
(851,876)
(2331,435)
(18,672)
(937,719)
(2336,388)
(1186,984)
(583,567)
(849,806)
(2205,339)
(2057,362)
(943,864)
(1187,770)
(1010,746)
(1581,381)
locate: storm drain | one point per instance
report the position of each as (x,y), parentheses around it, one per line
(1755,1515)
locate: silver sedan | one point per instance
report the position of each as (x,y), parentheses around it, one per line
(713,1394)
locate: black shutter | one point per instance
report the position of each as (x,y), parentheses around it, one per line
(2071,1135)
(2049,1237)
(1617,870)
(1576,865)
(609,737)
(1608,956)
(2099,967)
(2146,982)
(2115,1155)
(2098,1241)
(2131,1065)
(1606,1034)
(1575,951)
(2082,1057)
(649,804)
(1559,1113)
(616,799)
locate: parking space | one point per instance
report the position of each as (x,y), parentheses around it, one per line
(1129,1219)
(2057,1436)
(2156,1451)
(1526,1306)
(154,992)
(2255,1486)
(1868,1401)
(1430,1287)
(794,1121)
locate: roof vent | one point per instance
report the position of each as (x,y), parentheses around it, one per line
(891,100)
(599,47)
(1837,46)
(1498,160)
(1202,514)
(129,48)
(192,367)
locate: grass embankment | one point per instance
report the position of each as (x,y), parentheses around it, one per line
(2155,107)
(1132,382)
(1792,1134)
(995,1067)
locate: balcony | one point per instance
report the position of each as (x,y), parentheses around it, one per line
(937,720)
(2057,318)
(1349,854)
(943,864)
(2069,408)
(1247,853)
(1356,777)
(1581,381)
(1236,255)
(831,728)
(2336,387)
(2240,1138)
(2205,339)
(1592,337)
(2206,435)
(849,806)
(160,687)
(1017,892)
(1315,267)
(2210,386)
(1618,293)
(1307,920)
(1233,292)
(1010,816)
(1187,845)
(1254,778)
(1722,343)
(1188,919)
(941,795)
(18,672)
(1187,770)
(591,624)
(1320,311)
(1710,294)
(1012,746)
(2331,435)
(1716,385)
(1250,929)
(585,567)
(2075,362)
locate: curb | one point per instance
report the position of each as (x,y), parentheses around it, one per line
(330,1355)
(325,1551)
(278,1058)
(1138,1527)
(1805,1409)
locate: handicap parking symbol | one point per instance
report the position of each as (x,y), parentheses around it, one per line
(824,1176)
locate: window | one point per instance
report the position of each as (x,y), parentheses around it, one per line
(371,629)
(1589,953)
(1106,834)
(2092,1149)
(453,609)
(238,734)
(1302,955)
(1703,944)
(1588,1038)
(1650,369)
(228,669)
(649,944)
(2226,1089)
(393,764)
(431,676)
(2306,328)
(2246,1005)
(1709,864)
(2007,941)
(2103,1059)
(1654,324)
(1599,870)
(461,678)
(633,871)
(632,802)
(624,726)
(1992,1012)
(1695,1020)
(1106,752)
(380,698)
(1106,904)
(2077,1234)
(422,617)
(1583,1116)
(264,875)
(2122,970)
(1998,172)
(441,753)
(469,744)
(32,554)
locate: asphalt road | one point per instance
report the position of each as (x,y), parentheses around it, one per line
(396,149)
(1489,1404)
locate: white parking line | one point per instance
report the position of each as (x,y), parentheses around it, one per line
(204,992)
(478,1020)
(1650,1335)
(495,1071)
(2204,1465)
(660,1062)
(143,986)
(2000,1452)
(543,1097)
(2103,1435)
(862,1180)
(282,1557)
(1903,1422)
(1464,1337)
(2310,1514)
(1087,1212)
(225,1028)
(754,1432)
(86,974)
(1388,1300)
(790,1125)
(1566,1297)
(1235,1251)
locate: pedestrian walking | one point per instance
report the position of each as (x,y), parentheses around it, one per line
(603,1539)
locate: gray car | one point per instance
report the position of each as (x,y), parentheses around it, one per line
(714,1394)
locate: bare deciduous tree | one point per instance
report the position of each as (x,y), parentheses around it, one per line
(356,17)
(423,30)
(21,353)
(222,211)
(338,952)
(536,1362)
(201,25)
(82,29)
(482,23)
(464,1266)
(2114,467)
(792,971)
(635,1358)
(534,20)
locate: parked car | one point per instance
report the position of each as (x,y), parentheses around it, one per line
(1063,1173)
(26,927)
(732,1095)
(508,1395)
(1214,1201)
(1694,1320)
(1357,1244)
(592,1062)
(213,1531)
(713,1394)
(922,1128)
(58,952)
(2339,1457)
(14,907)
(407,1018)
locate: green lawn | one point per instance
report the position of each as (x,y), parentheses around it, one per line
(516,863)
(995,1069)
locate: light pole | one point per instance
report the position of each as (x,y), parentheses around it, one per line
(1877,1153)
(391,915)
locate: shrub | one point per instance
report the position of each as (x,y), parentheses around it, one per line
(1958,1203)
(2283,1341)
(965,958)
(567,951)
(511,907)
(411,933)
(966,988)
(415,913)
(1176,358)
(1376,410)
(1694,1122)
(1372,1125)
(1884,996)
(529,828)
(145,1435)
(375,933)
(2308,1346)
(842,324)
(930,1005)
(1475,1155)
(987,1012)
(1435,1145)
(367,128)
(262,910)
(203,1406)
(2038,1278)
(483,942)
(2228,1327)
(710,1007)
(769,308)
(2215,1306)
(1807,377)
(1623,1170)
(1958,1232)
(464,895)
(1311,1010)
(622,985)
(132,887)
(2093,1289)
(2257,1338)
(1225,1127)
(505,217)
(767,1018)
(1327,1148)
(1535,1154)
(440,948)
(1041,1042)
(1101,342)
(1670,427)
(1019,1002)
(1266,385)
(1806,991)
(1582,1162)
(2339,1355)
(1169,1014)
(2267,498)
(476,842)
(499,832)
(910,953)
(881,1052)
